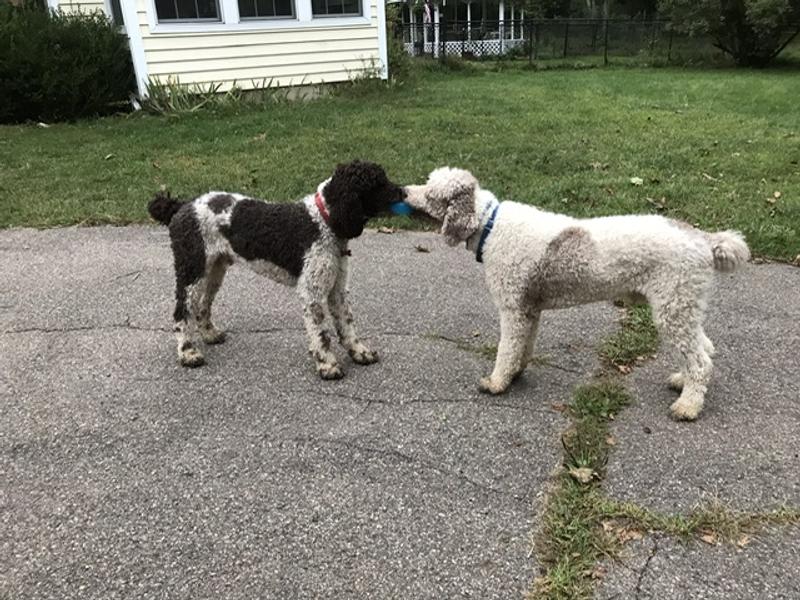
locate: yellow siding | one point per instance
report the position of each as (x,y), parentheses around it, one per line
(250,57)
(86,6)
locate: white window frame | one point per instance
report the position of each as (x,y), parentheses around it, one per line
(344,16)
(178,20)
(290,17)
(231,21)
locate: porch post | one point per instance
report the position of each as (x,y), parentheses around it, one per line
(469,20)
(436,32)
(501,15)
(412,22)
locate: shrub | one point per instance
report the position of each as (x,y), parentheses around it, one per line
(56,66)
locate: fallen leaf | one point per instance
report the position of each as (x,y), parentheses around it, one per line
(611,440)
(629,534)
(608,526)
(637,181)
(796,261)
(385,229)
(624,369)
(646,429)
(156,165)
(260,137)
(659,204)
(598,166)
(582,474)
(709,177)
(598,572)
(476,333)
(771,200)
(776,195)
(108,156)
(559,407)
(709,538)
(420,248)
(743,540)
(44,125)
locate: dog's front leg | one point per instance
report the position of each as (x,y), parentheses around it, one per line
(343,320)
(314,287)
(515,329)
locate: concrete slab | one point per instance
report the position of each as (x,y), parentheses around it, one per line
(744,449)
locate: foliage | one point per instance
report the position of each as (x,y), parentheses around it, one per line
(56,66)
(753,32)
(399,60)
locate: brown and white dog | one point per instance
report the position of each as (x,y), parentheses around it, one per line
(300,244)
(536,260)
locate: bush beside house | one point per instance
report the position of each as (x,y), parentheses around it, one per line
(56,66)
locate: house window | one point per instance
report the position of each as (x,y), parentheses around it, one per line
(187,10)
(335,8)
(265,9)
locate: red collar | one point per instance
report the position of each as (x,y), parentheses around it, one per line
(321,207)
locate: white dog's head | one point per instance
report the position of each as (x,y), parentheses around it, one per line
(448,196)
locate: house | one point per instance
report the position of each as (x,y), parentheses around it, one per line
(248,43)
(470,27)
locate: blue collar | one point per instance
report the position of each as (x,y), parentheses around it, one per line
(487,229)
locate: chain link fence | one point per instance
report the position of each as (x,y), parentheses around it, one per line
(543,39)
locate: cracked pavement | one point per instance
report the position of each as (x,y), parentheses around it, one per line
(743,452)
(127,476)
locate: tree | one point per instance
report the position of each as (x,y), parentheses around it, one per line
(753,32)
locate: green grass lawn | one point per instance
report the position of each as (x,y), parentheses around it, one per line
(713,147)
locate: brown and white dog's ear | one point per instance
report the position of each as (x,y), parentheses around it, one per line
(455,188)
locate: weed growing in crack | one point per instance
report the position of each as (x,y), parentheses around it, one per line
(636,340)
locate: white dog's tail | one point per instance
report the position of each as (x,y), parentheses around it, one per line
(729,248)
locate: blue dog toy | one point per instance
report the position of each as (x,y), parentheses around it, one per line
(401,208)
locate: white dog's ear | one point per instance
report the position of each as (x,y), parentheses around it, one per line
(460,220)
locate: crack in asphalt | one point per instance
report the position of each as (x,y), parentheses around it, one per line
(646,566)
(409,459)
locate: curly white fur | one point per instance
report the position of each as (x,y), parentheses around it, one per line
(536,260)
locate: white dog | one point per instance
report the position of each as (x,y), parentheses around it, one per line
(538,260)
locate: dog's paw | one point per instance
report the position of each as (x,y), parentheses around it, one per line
(685,410)
(191,357)
(329,371)
(363,355)
(212,335)
(675,381)
(487,385)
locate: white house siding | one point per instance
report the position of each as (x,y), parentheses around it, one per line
(85,6)
(302,54)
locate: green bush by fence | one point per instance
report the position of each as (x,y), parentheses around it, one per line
(56,66)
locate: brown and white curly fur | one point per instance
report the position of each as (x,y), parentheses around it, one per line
(536,260)
(300,244)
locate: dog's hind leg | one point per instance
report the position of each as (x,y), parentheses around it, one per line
(515,329)
(186,334)
(680,323)
(189,252)
(343,320)
(677,380)
(210,284)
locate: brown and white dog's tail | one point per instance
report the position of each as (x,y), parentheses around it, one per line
(163,207)
(729,249)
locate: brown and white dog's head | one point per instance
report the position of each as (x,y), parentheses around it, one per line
(448,196)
